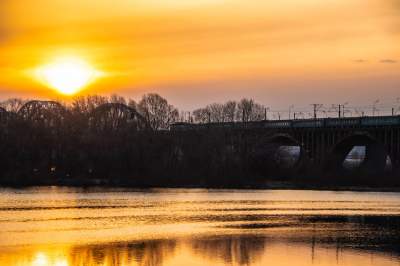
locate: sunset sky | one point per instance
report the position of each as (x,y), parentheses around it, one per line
(197,52)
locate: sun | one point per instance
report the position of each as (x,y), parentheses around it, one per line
(67,75)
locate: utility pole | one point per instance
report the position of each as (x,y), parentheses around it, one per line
(342,109)
(374,109)
(265,113)
(316,107)
(290,110)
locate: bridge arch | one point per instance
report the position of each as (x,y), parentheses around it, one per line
(277,154)
(115,116)
(45,113)
(283,138)
(372,162)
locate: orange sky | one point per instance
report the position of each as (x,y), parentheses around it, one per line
(196,52)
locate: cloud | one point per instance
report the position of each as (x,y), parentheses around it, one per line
(388,61)
(360,61)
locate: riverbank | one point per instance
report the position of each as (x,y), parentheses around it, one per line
(266,185)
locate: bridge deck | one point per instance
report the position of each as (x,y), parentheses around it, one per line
(368,121)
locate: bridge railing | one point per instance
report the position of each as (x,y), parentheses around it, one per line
(300,123)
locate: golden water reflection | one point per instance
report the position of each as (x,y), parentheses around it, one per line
(104,227)
(209,251)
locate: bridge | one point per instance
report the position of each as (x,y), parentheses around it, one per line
(323,144)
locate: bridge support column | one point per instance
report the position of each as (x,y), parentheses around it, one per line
(375,159)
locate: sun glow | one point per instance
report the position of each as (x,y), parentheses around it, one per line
(67,75)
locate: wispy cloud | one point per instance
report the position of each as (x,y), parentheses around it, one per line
(388,61)
(360,61)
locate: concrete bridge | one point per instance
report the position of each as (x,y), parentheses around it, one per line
(323,144)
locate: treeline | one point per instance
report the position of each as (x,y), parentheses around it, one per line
(115,141)
(158,112)
(245,110)
(155,109)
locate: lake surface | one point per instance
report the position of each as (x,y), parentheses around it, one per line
(68,226)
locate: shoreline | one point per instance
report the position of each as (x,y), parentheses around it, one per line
(268,186)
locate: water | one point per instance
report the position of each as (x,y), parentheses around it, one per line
(64,226)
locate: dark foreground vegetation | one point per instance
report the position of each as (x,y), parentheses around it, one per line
(110,141)
(107,140)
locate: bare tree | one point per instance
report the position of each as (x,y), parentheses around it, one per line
(216,111)
(201,115)
(156,110)
(229,111)
(248,110)
(13,104)
(115,98)
(86,105)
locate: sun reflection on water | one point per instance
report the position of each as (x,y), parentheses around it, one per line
(40,260)
(67,227)
(47,259)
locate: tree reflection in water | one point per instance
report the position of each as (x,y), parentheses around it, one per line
(302,249)
(181,228)
(232,250)
(152,253)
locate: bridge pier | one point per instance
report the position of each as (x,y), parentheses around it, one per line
(375,160)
